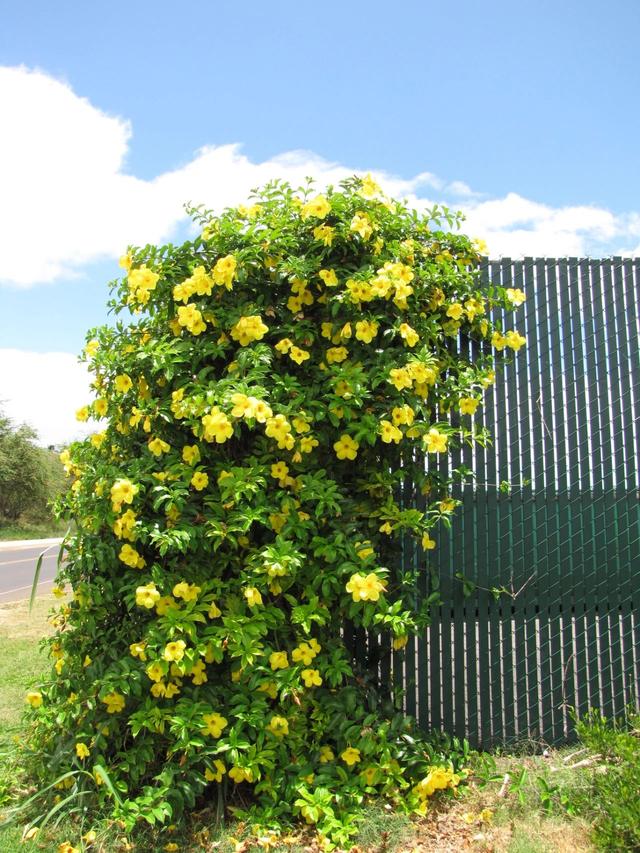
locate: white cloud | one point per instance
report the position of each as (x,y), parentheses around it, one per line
(45,390)
(66,199)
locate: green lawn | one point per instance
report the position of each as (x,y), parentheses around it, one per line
(31,530)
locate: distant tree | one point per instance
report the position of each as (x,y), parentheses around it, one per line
(30,476)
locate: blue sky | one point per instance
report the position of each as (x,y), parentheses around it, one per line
(524,115)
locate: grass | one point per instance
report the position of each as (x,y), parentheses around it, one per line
(10,531)
(517,820)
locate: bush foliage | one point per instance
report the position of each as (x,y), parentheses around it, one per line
(609,799)
(284,374)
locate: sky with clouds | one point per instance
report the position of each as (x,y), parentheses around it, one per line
(524,116)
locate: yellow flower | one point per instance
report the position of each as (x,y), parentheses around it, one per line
(190,318)
(311,677)
(303,653)
(364,550)
(58,592)
(171,847)
(137,650)
(435,441)
(217,426)
(123,383)
(324,233)
(278,427)
(366,330)
(428,543)
(403,415)
(253,596)
(337,354)
(455,311)
(83,414)
(472,307)
(67,847)
(400,642)
(165,604)
(92,348)
(515,296)
(514,340)
(437,779)
(361,224)
(90,837)
(156,671)
(216,776)
(365,588)
(124,527)
(422,373)
(141,282)
(214,611)
(191,454)
(175,650)
(359,291)
(198,672)
(131,557)
(388,432)
(157,446)
(278,660)
(114,701)
(224,271)
(326,754)
(298,355)
(82,751)
(278,726)
(280,471)
(122,492)
(260,410)
(329,277)
(34,698)
(147,596)
(100,407)
(498,341)
(468,405)
(317,208)
(408,334)
(186,591)
(270,688)
(240,774)
(346,447)
(283,346)
(308,443)
(214,724)
(199,481)
(350,756)
(400,377)
(98,439)
(368,187)
(249,329)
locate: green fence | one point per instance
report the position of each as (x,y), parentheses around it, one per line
(564,542)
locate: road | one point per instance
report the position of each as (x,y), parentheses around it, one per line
(18,565)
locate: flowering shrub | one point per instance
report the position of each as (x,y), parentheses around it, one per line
(285,372)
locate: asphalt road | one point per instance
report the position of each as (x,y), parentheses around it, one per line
(18,565)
